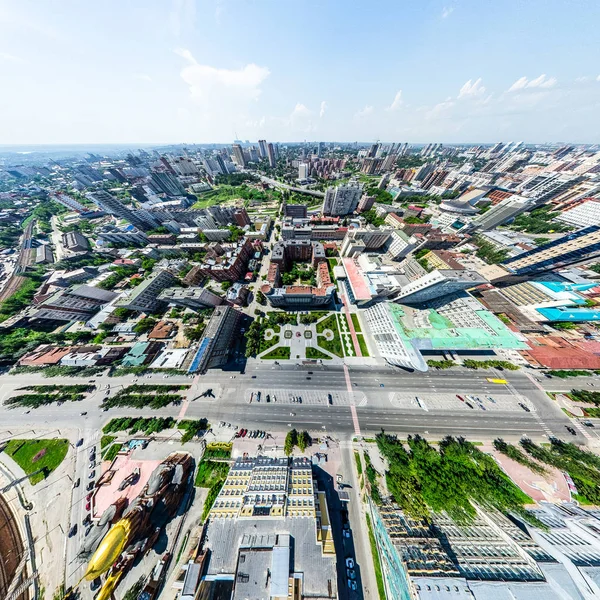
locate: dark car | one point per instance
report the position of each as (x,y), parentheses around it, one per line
(570,430)
(90,486)
(79,442)
(73,530)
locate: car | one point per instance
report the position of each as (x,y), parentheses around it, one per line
(76,483)
(491,399)
(79,442)
(351,584)
(460,398)
(89,497)
(570,430)
(470,405)
(73,530)
(26,412)
(350,573)
(244,432)
(524,407)
(88,505)
(292,414)
(309,378)
(381,385)
(346,533)
(90,486)
(253,376)
(92,475)
(92,465)
(92,453)
(350,563)
(588,423)
(88,529)
(238,434)
(87,520)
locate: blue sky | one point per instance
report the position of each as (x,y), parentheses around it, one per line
(159,71)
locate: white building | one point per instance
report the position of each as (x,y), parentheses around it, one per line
(501,213)
(583,215)
(343,199)
(400,245)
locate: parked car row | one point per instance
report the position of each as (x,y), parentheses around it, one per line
(251,434)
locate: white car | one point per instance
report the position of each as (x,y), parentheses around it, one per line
(350,563)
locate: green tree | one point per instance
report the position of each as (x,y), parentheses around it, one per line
(291,439)
(304,441)
(144,325)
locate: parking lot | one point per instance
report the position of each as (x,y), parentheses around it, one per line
(310,397)
(452,402)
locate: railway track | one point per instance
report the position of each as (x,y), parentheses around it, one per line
(16,279)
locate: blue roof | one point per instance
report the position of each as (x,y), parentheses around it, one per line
(579,315)
(199,355)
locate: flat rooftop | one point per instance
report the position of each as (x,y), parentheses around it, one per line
(227,536)
(459,324)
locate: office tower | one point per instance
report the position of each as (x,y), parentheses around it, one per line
(371,238)
(437,284)
(371,166)
(404,150)
(262,148)
(385,179)
(276,150)
(436,177)
(117,174)
(112,205)
(320,149)
(573,248)
(166,183)
(238,155)
(302,171)
(271,153)
(502,212)
(425,151)
(343,199)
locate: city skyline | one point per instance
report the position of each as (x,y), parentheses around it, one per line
(194,72)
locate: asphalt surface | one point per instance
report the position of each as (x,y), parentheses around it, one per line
(361,401)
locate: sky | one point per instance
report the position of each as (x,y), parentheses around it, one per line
(196,71)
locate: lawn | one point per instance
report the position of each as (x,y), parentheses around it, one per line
(363,345)
(282,352)
(23,452)
(316,353)
(329,323)
(376,561)
(212,475)
(356,323)
(112,452)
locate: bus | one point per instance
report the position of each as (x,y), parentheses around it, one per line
(492,380)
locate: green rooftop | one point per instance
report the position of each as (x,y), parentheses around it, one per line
(430,330)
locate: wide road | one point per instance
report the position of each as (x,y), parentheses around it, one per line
(362,402)
(16,279)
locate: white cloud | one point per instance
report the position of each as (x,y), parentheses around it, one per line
(447,11)
(397,102)
(182,16)
(598,78)
(143,77)
(541,82)
(212,84)
(6,57)
(471,88)
(367,110)
(323,109)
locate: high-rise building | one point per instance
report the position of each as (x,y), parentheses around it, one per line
(320,149)
(241,218)
(69,202)
(302,171)
(343,199)
(166,183)
(114,206)
(196,298)
(502,212)
(437,284)
(370,237)
(238,155)
(271,153)
(573,248)
(296,211)
(184,166)
(401,245)
(144,297)
(262,148)
(366,203)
